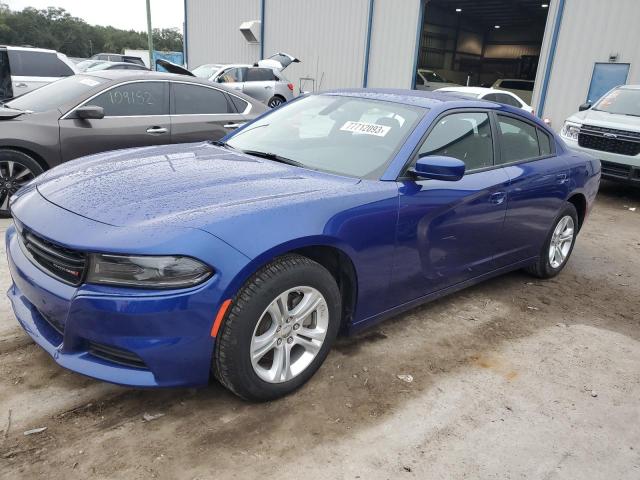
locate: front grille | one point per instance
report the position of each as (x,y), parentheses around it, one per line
(60,262)
(116,355)
(609,140)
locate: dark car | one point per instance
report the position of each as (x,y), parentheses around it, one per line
(108,110)
(158,267)
(117,57)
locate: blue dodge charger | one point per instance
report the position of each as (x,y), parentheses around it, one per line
(243,259)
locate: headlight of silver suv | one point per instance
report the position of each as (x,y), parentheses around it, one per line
(570,130)
(146,271)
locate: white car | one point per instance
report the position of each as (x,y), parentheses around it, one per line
(23,69)
(430,80)
(517,86)
(610,131)
(491,94)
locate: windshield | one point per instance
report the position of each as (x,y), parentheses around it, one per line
(206,71)
(345,135)
(55,94)
(623,101)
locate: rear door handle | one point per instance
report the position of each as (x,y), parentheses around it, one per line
(20,85)
(497,198)
(156,130)
(562,178)
(234,125)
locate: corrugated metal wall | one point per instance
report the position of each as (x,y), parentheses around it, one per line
(393,43)
(328,36)
(591,30)
(213,34)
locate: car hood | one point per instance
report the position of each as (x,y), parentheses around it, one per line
(607,120)
(7,113)
(188,185)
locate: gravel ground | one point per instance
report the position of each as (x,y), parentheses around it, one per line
(515,378)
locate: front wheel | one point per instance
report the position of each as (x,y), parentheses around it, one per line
(559,244)
(279,330)
(16,169)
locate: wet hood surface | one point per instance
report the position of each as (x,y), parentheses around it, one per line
(182,185)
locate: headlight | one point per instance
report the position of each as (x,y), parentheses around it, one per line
(146,271)
(570,130)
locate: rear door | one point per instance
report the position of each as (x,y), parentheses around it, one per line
(136,115)
(200,112)
(259,83)
(31,69)
(538,186)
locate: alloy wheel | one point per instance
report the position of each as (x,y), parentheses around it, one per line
(561,241)
(275,102)
(289,334)
(13,175)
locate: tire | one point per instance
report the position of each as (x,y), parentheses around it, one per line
(545,267)
(257,334)
(16,170)
(275,101)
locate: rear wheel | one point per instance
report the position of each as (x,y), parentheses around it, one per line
(559,244)
(275,101)
(16,170)
(279,330)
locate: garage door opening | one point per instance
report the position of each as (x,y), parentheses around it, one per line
(481,43)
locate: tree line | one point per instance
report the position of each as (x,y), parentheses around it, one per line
(56,29)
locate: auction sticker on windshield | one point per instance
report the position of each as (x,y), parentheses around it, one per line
(366,128)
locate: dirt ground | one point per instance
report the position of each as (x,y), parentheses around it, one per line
(516,378)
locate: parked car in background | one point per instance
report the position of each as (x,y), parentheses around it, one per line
(117,57)
(429,80)
(490,94)
(23,69)
(161,266)
(609,130)
(522,88)
(263,81)
(104,65)
(108,110)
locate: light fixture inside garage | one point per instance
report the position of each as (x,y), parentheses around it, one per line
(496,26)
(545,5)
(458,10)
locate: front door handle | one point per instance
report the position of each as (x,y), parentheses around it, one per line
(497,198)
(234,125)
(156,130)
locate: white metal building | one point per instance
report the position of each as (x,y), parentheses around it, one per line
(573,48)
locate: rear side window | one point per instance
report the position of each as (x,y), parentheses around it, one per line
(233,75)
(508,100)
(517,85)
(29,63)
(545,143)
(465,136)
(194,100)
(518,140)
(240,104)
(260,75)
(134,99)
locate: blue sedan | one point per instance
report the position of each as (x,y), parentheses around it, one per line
(243,259)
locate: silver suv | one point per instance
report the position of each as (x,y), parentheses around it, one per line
(263,81)
(23,69)
(610,131)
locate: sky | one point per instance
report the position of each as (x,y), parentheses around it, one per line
(125,14)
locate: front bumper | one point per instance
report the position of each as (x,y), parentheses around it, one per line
(617,167)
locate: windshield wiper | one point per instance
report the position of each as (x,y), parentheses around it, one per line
(274,157)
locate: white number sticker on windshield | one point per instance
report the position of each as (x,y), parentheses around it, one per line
(366,128)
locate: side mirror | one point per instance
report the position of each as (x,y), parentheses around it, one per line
(584,106)
(437,167)
(90,112)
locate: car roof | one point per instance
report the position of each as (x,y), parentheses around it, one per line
(32,49)
(514,80)
(116,75)
(476,90)
(419,98)
(630,87)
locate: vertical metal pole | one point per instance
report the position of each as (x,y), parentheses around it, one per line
(150,36)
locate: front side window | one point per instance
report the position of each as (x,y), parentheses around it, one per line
(465,136)
(518,140)
(350,136)
(194,99)
(134,99)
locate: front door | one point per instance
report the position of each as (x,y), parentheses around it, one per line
(200,113)
(447,231)
(136,115)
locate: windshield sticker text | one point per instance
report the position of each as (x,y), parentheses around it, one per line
(366,128)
